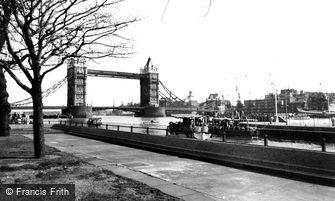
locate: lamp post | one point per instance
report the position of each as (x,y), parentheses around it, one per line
(328,97)
(276,107)
(286,106)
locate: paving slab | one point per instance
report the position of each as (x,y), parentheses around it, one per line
(134,175)
(186,178)
(198,197)
(154,182)
(120,170)
(177,191)
(98,162)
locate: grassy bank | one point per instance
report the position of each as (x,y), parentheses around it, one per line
(17,165)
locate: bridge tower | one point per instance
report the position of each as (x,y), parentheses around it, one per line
(149,83)
(76,89)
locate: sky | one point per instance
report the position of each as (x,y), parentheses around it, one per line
(257,46)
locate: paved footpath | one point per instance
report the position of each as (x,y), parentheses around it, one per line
(185,178)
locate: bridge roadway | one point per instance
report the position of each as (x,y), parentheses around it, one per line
(132,109)
(114,74)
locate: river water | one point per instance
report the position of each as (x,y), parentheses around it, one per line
(152,122)
(162,123)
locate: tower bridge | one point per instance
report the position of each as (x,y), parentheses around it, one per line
(77,78)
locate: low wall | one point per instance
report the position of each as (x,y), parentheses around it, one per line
(301,164)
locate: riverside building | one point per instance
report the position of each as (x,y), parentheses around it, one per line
(288,100)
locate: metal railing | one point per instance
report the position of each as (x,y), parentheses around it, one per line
(117,127)
(165,132)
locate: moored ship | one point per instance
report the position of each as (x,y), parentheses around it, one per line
(232,127)
(190,126)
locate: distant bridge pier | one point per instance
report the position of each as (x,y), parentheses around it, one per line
(78,111)
(149,82)
(151,112)
(76,90)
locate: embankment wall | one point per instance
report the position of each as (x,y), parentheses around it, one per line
(302,164)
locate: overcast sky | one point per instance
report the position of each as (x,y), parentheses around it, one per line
(244,43)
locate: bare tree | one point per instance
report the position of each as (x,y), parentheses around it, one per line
(43,34)
(4,105)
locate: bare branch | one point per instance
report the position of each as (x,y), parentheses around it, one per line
(166,5)
(5,66)
(209,7)
(15,56)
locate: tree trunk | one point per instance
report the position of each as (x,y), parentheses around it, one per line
(4,106)
(39,147)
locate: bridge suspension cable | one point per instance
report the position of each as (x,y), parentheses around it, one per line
(45,93)
(171,96)
(164,96)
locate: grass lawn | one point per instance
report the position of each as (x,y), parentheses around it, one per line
(17,165)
